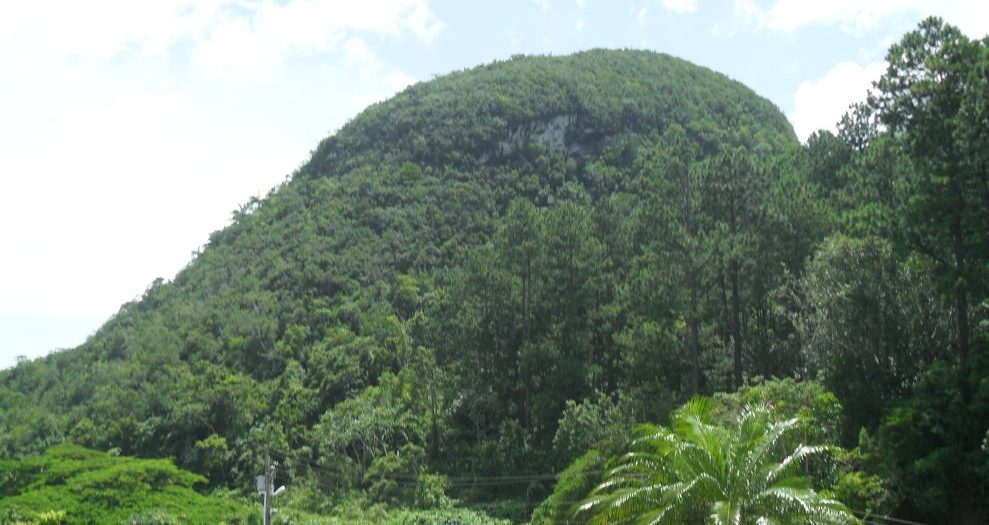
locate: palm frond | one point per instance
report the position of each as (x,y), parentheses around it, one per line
(799,454)
(697,470)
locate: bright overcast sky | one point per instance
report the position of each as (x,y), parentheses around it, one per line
(130,130)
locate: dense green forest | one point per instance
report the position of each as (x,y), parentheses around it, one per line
(477,297)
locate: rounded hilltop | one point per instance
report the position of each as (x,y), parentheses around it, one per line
(571,103)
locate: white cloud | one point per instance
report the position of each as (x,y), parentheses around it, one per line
(359,58)
(253,43)
(747,10)
(120,193)
(543,4)
(642,14)
(99,28)
(234,47)
(680,6)
(580,4)
(130,130)
(228,35)
(819,104)
(971,16)
(788,15)
(578,25)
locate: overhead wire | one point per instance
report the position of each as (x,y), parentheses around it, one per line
(869,518)
(469,480)
(865,515)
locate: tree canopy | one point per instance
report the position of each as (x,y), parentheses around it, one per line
(490,278)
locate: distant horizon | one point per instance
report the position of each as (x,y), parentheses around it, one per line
(131,132)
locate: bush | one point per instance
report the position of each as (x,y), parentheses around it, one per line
(154,517)
(94,487)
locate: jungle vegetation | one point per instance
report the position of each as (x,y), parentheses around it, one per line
(472,296)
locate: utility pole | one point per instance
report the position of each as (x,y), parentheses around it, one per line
(269,480)
(265,485)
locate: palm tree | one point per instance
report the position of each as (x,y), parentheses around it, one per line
(699,472)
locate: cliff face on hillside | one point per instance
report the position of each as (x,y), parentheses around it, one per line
(589,97)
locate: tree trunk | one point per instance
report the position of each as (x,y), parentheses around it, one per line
(736,326)
(695,343)
(525,308)
(961,275)
(984,179)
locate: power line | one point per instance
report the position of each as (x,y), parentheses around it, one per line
(866,515)
(476,479)
(493,481)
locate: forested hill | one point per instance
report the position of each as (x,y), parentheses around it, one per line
(447,270)
(492,272)
(571,104)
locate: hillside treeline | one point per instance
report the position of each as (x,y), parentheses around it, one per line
(500,269)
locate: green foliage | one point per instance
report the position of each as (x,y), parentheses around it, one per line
(929,447)
(370,426)
(933,72)
(459,117)
(572,486)
(870,323)
(479,280)
(595,420)
(868,492)
(400,479)
(433,517)
(698,471)
(72,485)
(21,517)
(356,510)
(155,517)
(213,456)
(445,272)
(818,413)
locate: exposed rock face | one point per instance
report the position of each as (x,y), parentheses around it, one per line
(552,134)
(560,134)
